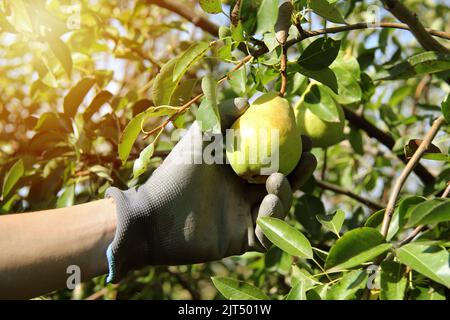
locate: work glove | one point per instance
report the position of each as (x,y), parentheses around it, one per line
(190,211)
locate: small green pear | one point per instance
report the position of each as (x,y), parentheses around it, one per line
(265,140)
(322,133)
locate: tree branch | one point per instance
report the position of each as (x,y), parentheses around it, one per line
(337,189)
(407,170)
(401,12)
(181,9)
(385,138)
(364,25)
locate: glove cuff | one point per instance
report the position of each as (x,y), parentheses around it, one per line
(130,248)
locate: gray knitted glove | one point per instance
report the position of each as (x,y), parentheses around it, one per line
(189,213)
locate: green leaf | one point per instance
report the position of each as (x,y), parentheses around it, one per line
(76,95)
(188,58)
(421,211)
(270,41)
(302,275)
(12,177)
(422,63)
(67,198)
(445,106)
(233,289)
(140,165)
(99,100)
(267,16)
(436,214)
(321,103)
(401,215)
(297,292)
(326,10)
(347,71)
(334,222)
(320,54)
(325,76)
(430,260)
(399,218)
(238,81)
(21,18)
(208,112)
(102,172)
(392,281)
(347,287)
(211,6)
(61,52)
(134,127)
(164,85)
(237,32)
(354,248)
(286,237)
(184,92)
(356,140)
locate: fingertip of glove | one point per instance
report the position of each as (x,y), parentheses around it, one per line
(272,206)
(278,184)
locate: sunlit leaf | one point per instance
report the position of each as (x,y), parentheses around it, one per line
(297,292)
(421,211)
(211,6)
(321,103)
(233,289)
(286,237)
(67,198)
(422,63)
(188,58)
(267,16)
(12,177)
(430,260)
(445,106)
(134,127)
(354,248)
(140,165)
(326,10)
(62,52)
(333,222)
(347,287)
(392,280)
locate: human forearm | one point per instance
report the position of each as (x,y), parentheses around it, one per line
(36,248)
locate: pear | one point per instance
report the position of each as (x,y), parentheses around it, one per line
(265,139)
(322,133)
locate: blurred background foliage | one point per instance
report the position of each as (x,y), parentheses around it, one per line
(74,73)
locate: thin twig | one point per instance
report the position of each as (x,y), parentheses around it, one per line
(337,189)
(364,25)
(402,13)
(406,172)
(421,228)
(385,138)
(447,191)
(181,9)
(413,234)
(186,106)
(421,86)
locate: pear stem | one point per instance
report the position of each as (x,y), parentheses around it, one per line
(283,72)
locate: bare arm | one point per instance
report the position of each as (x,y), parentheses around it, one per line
(36,248)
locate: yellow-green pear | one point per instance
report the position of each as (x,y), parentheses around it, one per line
(322,133)
(264,140)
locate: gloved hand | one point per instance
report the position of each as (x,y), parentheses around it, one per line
(189,213)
